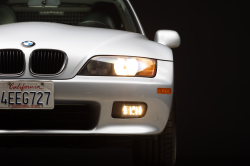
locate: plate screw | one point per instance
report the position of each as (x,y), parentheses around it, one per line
(9,83)
(42,83)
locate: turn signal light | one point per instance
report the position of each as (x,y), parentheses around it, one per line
(164,91)
(129,109)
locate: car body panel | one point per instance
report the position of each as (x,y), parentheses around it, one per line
(79,43)
(106,90)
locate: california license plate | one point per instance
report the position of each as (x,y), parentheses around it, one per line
(26,95)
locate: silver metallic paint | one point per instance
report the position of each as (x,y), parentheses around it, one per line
(82,43)
(169,38)
(106,90)
(79,43)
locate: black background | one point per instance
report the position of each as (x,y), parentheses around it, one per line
(212,127)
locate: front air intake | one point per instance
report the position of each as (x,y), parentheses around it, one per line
(47,62)
(62,117)
(12,62)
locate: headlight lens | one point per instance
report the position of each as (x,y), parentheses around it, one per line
(119,66)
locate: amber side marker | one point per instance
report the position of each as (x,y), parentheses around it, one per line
(164,91)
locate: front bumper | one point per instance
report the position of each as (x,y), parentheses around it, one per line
(106,90)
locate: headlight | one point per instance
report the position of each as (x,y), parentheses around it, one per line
(119,66)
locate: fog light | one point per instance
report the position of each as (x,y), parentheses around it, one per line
(129,109)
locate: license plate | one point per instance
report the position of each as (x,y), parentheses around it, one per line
(26,95)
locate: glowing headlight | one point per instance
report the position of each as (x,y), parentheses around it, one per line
(119,66)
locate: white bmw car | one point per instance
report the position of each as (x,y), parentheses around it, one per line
(85,67)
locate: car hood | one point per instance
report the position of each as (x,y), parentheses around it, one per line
(79,43)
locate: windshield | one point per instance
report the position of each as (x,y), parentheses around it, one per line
(109,14)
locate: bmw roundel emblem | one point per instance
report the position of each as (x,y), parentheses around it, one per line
(28,43)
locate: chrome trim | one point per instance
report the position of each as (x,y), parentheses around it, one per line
(49,75)
(24,66)
(137,19)
(18,132)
